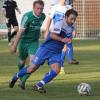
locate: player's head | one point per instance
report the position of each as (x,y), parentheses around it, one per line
(70,16)
(10,0)
(64,2)
(38,7)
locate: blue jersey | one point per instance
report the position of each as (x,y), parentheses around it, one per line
(62,29)
(57,13)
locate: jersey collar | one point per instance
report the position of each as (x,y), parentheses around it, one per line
(35,15)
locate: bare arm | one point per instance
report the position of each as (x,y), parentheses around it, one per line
(19,34)
(58,38)
(47,27)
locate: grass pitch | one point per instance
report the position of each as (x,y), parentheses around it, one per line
(63,87)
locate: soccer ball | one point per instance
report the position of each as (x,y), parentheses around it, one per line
(84,89)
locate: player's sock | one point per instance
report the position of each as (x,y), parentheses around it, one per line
(22,72)
(25,77)
(47,78)
(70,51)
(63,55)
(9,36)
(13,34)
(20,66)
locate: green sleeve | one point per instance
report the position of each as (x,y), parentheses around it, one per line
(24,21)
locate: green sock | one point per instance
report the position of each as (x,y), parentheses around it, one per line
(20,66)
(25,77)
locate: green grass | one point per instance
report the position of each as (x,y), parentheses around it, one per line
(63,87)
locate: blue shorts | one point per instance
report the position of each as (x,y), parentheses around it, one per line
(44,54)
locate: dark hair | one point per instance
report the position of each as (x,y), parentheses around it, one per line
(71,11)
(38,2)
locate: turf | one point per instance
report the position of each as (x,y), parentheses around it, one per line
(63,87)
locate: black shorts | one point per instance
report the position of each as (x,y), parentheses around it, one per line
(12,22)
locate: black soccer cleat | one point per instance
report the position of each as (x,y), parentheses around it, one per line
(12,83)
(74,62)
(39,89)
(21,85)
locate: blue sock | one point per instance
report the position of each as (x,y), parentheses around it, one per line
(22,72)
(47,78)
(70,51)
(63,55)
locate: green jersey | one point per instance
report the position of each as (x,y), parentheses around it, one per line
(32,25)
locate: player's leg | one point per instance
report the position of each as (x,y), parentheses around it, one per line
(70,51)
(21,64)
(23,54)
(22,72)
(55,63)
(32,48)
(70,54)
(9,31)
(63,55)
(14,23)
(38,60)
(15,31)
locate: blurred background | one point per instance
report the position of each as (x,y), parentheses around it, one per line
(88,22)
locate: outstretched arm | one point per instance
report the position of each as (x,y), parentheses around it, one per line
(47,27)
(19,34)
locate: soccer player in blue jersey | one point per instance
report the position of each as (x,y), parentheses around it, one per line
(50,50)
(57,12)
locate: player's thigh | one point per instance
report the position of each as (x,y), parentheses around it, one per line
(32,50)
(14,23)
(23,51)
(41,55)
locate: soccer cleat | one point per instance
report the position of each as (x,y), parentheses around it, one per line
(21,85)
(12,83)
(39,89)
(74,62)
(62,70)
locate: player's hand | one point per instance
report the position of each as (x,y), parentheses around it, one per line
(66,40)
(13,49)
(45,35)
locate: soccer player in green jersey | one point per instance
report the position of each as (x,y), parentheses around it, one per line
(27,38)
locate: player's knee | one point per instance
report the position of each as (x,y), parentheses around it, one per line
(31,68)
(56,68)
(31,58)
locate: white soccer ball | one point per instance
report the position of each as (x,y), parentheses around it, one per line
(84,89)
